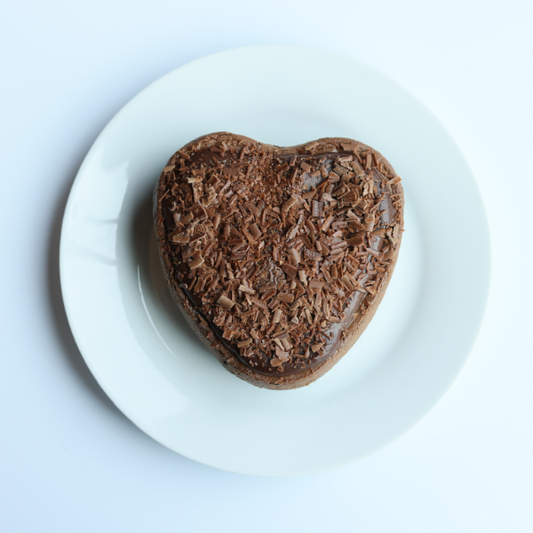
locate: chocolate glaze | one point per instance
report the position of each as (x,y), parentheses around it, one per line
(261,361)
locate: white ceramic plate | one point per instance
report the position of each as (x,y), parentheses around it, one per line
(133,337)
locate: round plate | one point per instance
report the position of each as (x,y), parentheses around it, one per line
(139,347)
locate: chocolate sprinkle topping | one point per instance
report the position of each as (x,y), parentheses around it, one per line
(279,251)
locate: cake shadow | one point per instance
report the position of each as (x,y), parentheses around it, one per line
(159,306)
(69,349)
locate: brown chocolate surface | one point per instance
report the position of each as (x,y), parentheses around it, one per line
(279,251)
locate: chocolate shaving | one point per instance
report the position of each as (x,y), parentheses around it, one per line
(289,203)
(282,355)
(289,298)
(243,288)
(315,286)
(180,239)
(290,270)
(225,302)
(197,260)
(295,256)
(317,209)
(259,303)
(327,224)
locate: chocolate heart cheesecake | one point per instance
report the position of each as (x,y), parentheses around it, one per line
(278,257)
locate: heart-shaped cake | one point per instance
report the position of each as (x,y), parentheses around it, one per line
(278,257)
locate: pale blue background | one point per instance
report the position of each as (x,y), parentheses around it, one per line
(69,460)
